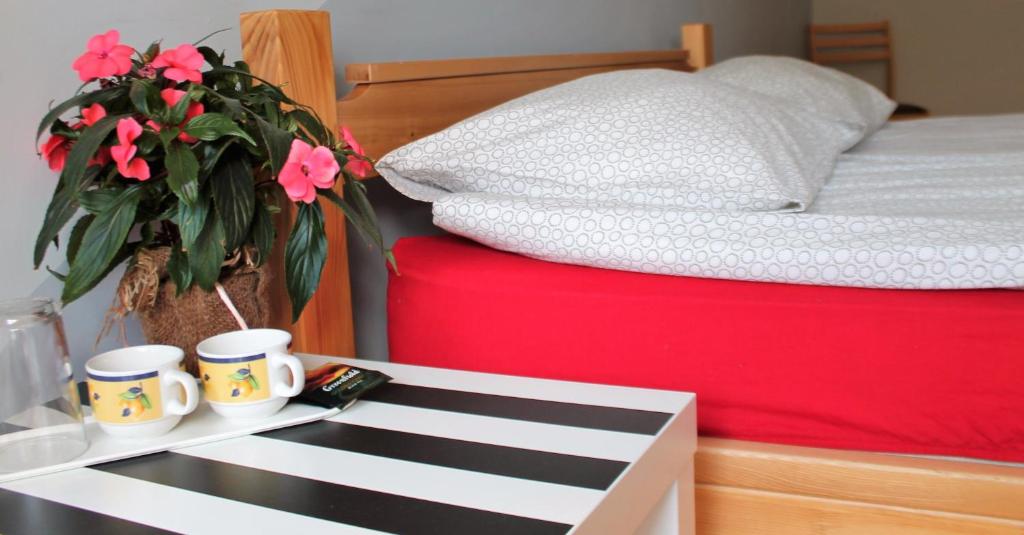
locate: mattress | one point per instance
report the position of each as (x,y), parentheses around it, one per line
(926,372)
(927,204)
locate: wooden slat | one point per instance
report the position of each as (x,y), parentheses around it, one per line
(961,487)
(725,510)
(404,71)
(698,40)
(396,103)
(850,42)
(851,57)
(293,48)
(879,26)
(386,116)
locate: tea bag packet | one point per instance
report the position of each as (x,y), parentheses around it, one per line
(339,385)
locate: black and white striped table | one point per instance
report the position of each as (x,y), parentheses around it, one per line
(436,451)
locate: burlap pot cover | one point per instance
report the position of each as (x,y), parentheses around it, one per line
(186,320)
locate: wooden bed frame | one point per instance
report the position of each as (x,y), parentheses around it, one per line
(742,487)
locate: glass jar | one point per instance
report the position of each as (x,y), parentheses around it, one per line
(41,421)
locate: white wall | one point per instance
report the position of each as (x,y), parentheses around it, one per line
(952,56)
(39,40)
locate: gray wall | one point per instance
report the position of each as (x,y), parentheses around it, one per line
(390,30)
(975,45)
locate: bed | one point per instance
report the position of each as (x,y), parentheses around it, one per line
(744,485)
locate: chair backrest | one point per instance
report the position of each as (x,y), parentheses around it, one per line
(833,44)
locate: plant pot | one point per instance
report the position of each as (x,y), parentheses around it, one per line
(190,318)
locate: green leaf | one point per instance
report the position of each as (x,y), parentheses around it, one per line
(81,100)
(85,148)
(313,126)
(234,195)
(278,143)
(182,171)
(147,142)
(176,113)
(236,377)
(273,89)
(151,52)
(178,269)
(356,192)
(207,253)
(144,96)
(254,383)
(304,256)
(212,126)
(211,57)
(211,156)
(62,207)
(127,395)
(233,105)
(354,217)
(97,200)
(145,229)
(101,243)
(170,213)
(57,275)
(168,134)
(145,401)
(77,233)
(191,220)
(263,232)
(126,251)
(246,77)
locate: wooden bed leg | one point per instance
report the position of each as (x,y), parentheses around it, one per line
(674,513)
(697,40)
(293,48)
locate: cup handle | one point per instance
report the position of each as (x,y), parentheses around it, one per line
(170,377)
(294,365)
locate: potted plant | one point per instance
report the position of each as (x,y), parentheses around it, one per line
(180,163)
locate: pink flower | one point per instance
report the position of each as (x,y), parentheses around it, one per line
(55,151)
(104,57)
(101,158)
(357,166)
(128,130)
(92,114)
(171,97)
(307,169)
(182,63)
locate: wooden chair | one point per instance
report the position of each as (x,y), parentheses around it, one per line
(835,44)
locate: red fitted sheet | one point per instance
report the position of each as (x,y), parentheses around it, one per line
(935,372)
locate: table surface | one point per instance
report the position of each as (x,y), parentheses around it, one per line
(434,451)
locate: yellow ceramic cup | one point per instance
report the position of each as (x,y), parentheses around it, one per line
(136,392)
(249,374)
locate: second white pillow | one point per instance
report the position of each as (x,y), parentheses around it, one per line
(803,84)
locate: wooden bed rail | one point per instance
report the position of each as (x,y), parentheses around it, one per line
(293,48)
(395,103)
(747,488)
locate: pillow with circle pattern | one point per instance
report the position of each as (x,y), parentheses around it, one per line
(641,137)
(823,90)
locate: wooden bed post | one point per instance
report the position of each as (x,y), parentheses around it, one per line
(696,39)
(293,48)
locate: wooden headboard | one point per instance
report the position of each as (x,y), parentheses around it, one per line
(392,104)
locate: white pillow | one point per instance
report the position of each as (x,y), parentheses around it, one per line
(812,87)
(643,137)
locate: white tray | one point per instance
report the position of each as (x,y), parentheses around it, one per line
(200,427)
